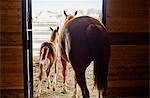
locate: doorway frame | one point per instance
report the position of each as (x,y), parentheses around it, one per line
(27,44)
(27,48)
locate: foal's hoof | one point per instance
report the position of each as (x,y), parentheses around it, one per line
(48,87)
(74,96)
(37,96)
(64,91)
(53,89)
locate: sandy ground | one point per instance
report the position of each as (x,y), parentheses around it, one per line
(46,93)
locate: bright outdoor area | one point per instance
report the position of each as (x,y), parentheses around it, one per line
(49,13)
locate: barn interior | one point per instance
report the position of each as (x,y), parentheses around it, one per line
(127,23)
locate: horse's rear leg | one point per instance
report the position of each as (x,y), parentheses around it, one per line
(101,93)
(81,80)
(64,64)
(75,88)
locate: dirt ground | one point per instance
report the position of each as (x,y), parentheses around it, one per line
(70,82)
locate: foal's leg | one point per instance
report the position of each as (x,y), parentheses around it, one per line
(81,80)
(64,64)
(40,80)
(55,75)
(48,73)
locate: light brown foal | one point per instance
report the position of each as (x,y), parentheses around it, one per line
(48,57)
(63,56)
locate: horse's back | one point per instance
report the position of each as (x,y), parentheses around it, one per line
(87,37)
(49,45)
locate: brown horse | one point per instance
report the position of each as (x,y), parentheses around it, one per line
(63,59)
(82,40)
(48,57)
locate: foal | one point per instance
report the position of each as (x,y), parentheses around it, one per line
(48,57)
(62,54)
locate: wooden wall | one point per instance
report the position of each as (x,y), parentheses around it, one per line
(127,16)
(11,57)
(128,71)
(128,20)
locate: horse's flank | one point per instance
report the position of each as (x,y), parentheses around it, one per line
(61,40)
(87,39)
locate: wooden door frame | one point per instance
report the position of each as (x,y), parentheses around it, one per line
(122,38)
(27,44)
(27,48)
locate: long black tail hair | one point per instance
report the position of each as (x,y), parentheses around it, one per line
(100,48)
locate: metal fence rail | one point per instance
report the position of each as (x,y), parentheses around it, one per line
(40,34)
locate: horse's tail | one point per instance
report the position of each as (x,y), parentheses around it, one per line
(100,73)
(65,47)
(100,54)
(45,50)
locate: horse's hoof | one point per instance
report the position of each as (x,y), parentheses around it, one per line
(53,89)
(48,87)
(64,91)
(74,96)
(37,96)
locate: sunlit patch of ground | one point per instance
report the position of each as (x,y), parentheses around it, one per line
(70,82)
